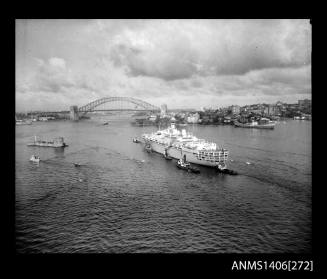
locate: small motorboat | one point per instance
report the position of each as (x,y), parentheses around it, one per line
(136,140)
(35,159)
(105,123)
(77,164)
(248,163)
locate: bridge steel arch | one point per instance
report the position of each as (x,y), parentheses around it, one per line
(91,106)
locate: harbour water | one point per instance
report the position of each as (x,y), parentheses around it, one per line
(124,200)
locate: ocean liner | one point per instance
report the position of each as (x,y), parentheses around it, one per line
(181,145)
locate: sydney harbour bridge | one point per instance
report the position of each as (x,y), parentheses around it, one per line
(116,104)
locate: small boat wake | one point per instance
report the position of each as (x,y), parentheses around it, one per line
(136,160)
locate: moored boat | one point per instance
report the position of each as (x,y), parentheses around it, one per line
(263,123)
(57,142)
(136,140)
(23,122)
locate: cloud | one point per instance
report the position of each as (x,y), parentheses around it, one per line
(169,61)
(272,82)
(179,49)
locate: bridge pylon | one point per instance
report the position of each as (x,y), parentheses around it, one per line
(74,113)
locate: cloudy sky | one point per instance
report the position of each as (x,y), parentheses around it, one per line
(183,63)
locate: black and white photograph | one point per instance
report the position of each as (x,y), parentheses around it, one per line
(164,136)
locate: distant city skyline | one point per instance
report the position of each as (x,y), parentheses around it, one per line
(181,63)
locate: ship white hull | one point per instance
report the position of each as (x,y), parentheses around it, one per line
(256,126)
(178,154)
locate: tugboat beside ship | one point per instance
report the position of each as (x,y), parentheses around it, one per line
(182,164)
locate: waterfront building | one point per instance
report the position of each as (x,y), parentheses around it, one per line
(193,118)
(43,118)
(153,118)
(256,111)
(235,109)
(245,109)
(270,110)
(227,119)
(304,102)
(305,105)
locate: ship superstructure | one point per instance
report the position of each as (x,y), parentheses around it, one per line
(182,145)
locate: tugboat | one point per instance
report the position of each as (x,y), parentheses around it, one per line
(182,164)
(35,159)
(227,171)
(222,169)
